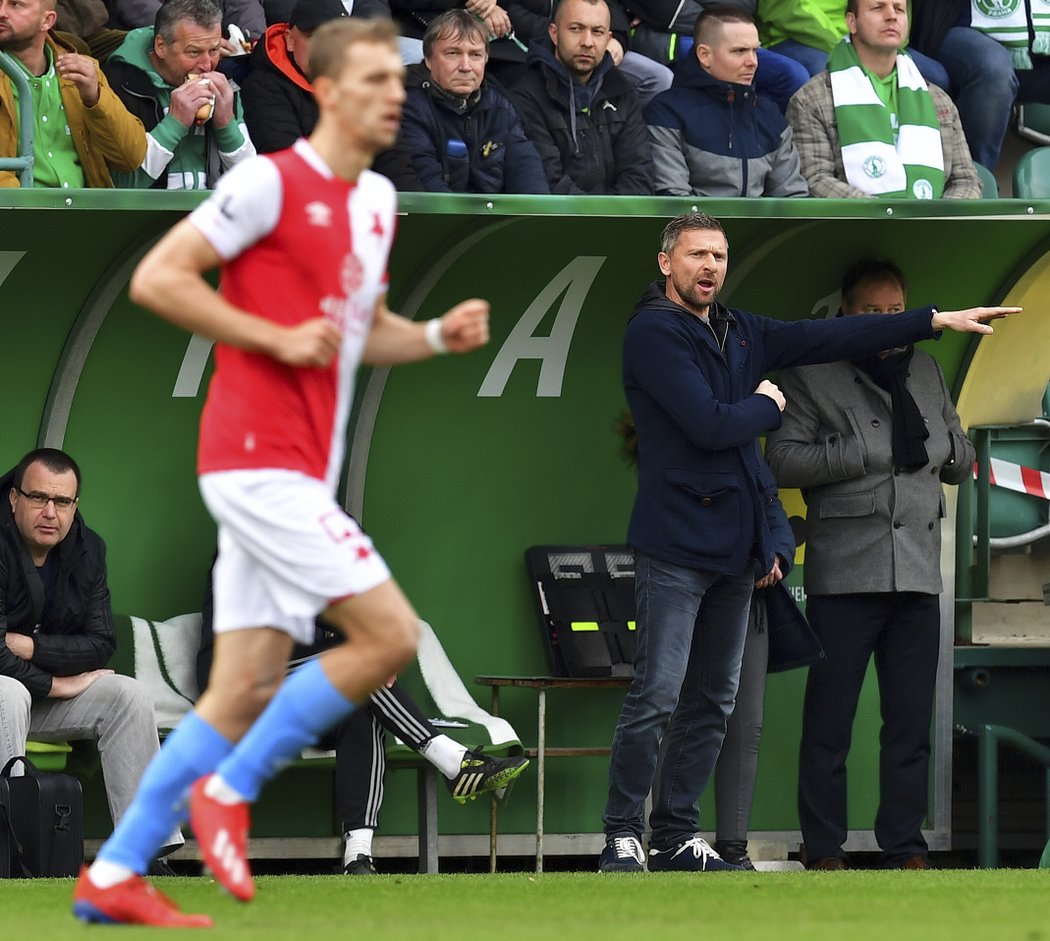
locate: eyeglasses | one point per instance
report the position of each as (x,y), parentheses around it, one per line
(38,500)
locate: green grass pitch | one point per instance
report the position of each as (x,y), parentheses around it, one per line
(846,906)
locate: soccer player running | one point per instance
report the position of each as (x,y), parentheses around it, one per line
(303,237)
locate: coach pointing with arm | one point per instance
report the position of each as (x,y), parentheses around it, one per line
(692,371)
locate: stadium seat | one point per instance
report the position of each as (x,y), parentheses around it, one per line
(1033,122)
(989,185)
(1032,175)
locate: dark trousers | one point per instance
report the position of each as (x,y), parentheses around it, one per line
(902,631)
(360,758)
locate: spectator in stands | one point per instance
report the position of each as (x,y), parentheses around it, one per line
(665,32)
(360,754)
(56,631)
(280,12)
(139,14)
(984,80)
(460,132)
(83,23)
(166,75)
(81,130)
(871,441)
(892,150)
(508,26)
(278,96)
(711,134)
(580,111)
(807,32)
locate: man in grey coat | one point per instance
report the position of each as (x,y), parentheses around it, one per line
(870,442)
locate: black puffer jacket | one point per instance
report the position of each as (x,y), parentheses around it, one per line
(473,145)
(592,138)
(74,632)
(279,106)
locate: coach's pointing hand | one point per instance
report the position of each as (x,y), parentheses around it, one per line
(971,320)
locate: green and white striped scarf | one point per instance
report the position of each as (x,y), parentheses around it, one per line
(908,164)
(1007,22)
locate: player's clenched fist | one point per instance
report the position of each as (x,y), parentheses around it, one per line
(466,326)
(310,343)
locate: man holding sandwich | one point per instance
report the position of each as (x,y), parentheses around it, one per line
(167,77)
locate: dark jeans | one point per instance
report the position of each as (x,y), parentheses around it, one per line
(902,630)
(691,628)
(737,770)
(984,85)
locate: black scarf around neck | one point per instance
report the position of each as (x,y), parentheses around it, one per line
(909,429)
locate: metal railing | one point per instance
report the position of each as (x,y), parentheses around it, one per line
(22,163)
(988,739)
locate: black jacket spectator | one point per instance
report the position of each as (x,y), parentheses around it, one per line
(73,629)
(279,106)
(591,138)
(277,97)
(466,145)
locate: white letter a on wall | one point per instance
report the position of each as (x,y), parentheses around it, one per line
(574,281)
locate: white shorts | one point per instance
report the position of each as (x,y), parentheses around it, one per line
(287,550)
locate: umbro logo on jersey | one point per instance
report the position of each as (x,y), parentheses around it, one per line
(318,213)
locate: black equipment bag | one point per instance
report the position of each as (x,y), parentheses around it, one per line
(41,822)
(585,600)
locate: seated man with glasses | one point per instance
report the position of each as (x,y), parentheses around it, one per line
(56,631)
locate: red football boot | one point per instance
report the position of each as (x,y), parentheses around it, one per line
(131,902)
(222,835)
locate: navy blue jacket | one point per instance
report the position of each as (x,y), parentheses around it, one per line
(700,504)
(481,148)
(712,138)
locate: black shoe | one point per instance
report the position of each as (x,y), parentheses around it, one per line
(828,864)
(693,855)
(160,867)
(735,852)
(480,773)
(360,865)
(915,861)
(622,853)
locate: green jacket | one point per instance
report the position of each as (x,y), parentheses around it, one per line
(177,157)
(817,23)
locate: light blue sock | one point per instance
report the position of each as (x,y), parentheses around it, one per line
(193,750)
(305,707)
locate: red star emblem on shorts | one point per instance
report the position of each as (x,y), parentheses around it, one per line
(377,225)
(363,552)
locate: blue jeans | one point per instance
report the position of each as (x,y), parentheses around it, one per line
(816,61)
(691,630)
(648,76)
(984,85)
(779,77)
